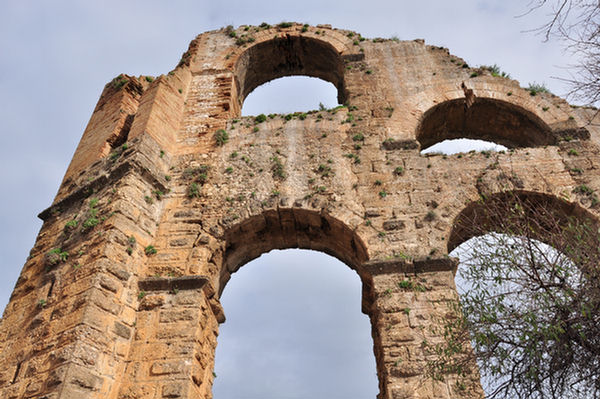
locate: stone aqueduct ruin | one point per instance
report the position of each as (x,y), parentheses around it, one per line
(88,317)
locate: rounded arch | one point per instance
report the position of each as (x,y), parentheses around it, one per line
(285,228)
(290,228)
(291,307)
(288,55)
(486,119)
(274,97)
(545,217)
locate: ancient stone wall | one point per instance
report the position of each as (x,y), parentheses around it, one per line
(170,191)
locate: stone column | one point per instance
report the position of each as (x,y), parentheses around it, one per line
(408,303)
(172,354)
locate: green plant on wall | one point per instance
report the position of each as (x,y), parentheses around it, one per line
(193,190)
(150,250)
(56,256)
(221,137)
(277,168)
(535,88)
(91,219)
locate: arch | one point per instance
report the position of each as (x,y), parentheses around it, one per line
(307,94)
(285,228)
(294,325)
(286,56)
(486,119)
(506,267)
(290,228)
(545,215)
(456,146)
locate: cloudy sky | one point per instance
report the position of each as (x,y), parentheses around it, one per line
(55,58)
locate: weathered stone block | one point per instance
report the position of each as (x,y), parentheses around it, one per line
(164,368)
(122,330)
(152,301)
(173,316)
(81,378)
(175,390)
(393,225)
(109,284)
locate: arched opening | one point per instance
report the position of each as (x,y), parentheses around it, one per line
(303,229)
(528,266)
(290,228)
(486,119)
(547,216)
(290,94)
(294,329)
(455,146)
(287,56)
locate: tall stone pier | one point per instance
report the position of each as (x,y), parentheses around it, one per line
(170,192)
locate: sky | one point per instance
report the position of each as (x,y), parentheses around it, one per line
(56,57)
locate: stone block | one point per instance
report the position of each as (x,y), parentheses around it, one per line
(175,390)
(393,224)
(109,284)
(122,330)
(84,379)
(173,316)
(170,284)
(167,368)
(151,301)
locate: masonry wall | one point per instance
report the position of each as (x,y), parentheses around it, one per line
(120,296)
